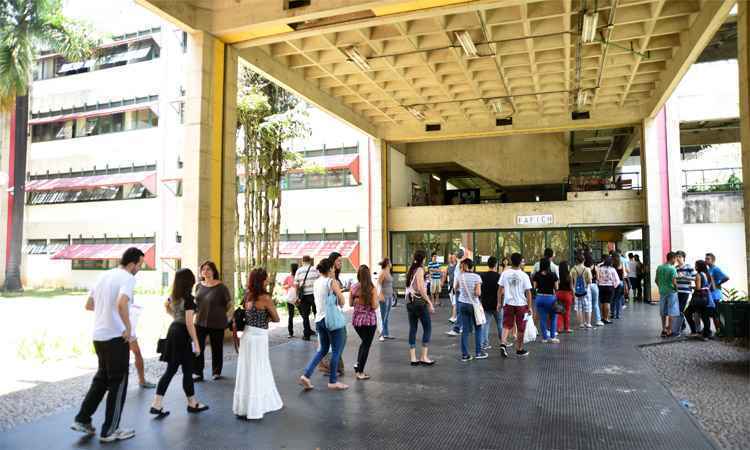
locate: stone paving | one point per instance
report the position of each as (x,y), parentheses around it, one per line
(712,380)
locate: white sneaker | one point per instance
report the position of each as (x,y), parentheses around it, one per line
(554,341)
(452,333)
(118,435)
(597,324)
(588,325)
(545,341)
(381,339)
(452,320)
(583,325)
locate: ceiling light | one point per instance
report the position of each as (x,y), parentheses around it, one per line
(416,113)
(356,57)
(582,98)
(467,43)
(435,177)
(588,31)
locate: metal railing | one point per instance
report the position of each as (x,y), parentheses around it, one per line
(604,181)
(724,179)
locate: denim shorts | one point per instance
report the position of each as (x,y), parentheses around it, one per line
(668,305)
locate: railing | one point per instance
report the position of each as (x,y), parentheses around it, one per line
(604,181)
(725,179)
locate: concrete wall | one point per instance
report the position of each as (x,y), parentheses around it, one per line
(401,177)
(582,212)
(715,207)
(507,160)
(45,272)
(726,241)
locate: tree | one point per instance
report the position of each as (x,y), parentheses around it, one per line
(268,117)
(26,26)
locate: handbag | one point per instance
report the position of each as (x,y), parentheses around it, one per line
(161,346)
(479,317)
(239,319)
(700,296)
(558,307)
(301,287)
(334,317)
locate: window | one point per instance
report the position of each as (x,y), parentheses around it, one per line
(104,193)
(508,242)
(398,248)
(52,131)
(557,240)
(36,247)
(296,180)
(316,179)
(92,126)
(486,246)
(55,245)
(135,191)
(533,246)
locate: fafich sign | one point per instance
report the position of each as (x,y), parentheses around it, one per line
(539,219)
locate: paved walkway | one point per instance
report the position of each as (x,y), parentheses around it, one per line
(594,390)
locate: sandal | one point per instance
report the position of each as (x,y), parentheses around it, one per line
(159,413)
(338,386)
(199,407)
(363,376)
(305,383)
(415,363)
(427,363)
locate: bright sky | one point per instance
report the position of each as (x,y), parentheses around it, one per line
(111,16)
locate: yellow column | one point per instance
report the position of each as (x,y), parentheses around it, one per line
(385,194)
(208,171)
(743,50)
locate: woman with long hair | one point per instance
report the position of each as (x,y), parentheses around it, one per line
(621,290)
(469,287)
(336,339)
(596,312)
(363,298)
(546,282)
(255,391)
(385,280)
(182,344)
(336,265)
(607,279)
(565,296)
(419,308)
(701,301)
(214,303)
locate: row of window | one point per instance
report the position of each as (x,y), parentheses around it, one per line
(52,246)
(93,172)
(100,264)
(312,180)
(92,126)
(105,193)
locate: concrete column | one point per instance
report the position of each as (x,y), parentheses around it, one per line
(674,174)
(209,191)
(385,194)
(374,239)
(743,50)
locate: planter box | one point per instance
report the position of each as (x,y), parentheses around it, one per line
(734,318)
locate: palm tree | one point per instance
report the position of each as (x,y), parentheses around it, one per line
(26,26)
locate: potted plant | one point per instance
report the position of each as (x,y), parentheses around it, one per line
(734,314)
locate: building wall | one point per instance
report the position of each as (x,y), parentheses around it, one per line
(401,177)
(726,241)
(518,160)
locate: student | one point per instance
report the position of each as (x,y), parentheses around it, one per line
(135,349)
(490,303)
(546,282)
(419,307)
(451,276)
(182,344)
(701,302)
(718,278)
(549,254)
(456,330)
(621,290)
(565,296)
(436,279)
(290,293)
(596,314)
(364,299)
(632,274)
(214,303)
(469,288)
(387,296)
(304,280)
(666,280)
(514,292)
(639,274)
(255,391)
(685,282)
(582,279)
(607,279)
(110,300)
(328,339)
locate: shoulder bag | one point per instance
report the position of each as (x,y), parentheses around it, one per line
(301,287)
(700,296)
(334,317)
(479,317)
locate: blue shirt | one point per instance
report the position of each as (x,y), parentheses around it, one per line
(719,277)
(436,267)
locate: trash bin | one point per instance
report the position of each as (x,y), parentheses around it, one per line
(734,318)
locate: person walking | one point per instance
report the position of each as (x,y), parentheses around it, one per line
(385,280)
(304,281)
(685,287)
(490,302)
(607,279)
(621,290)
(419,307)
(436,279)
(110,300)
(639,274)
(255,392)
(290,293)
(214,303)
(469,287)
(546,282)
(338,262)
(583,280)
(596,314)
(514,292)
(328,338)
(718,278)
(450,275)
(632,274)
(182,344)
(140,368)
(701,302)
(363,297)
(456,329)
(565,296)
(666,280)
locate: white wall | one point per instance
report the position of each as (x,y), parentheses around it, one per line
(727,242)
(401,178)
(709,91)
(44,272)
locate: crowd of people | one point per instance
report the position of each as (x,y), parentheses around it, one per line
(558,295)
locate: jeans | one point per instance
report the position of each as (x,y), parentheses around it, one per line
(618,300)
(705,313)
(547,319)
(307,303)
(469,325)
(498,316)
(459,320)
(328,339)
(633,286)
(385,313)
(566,298)
(594,293)
(682,299)
(111,378)
(366,333)
(418,311)
(216,335)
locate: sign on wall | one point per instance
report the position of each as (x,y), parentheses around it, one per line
(537,219)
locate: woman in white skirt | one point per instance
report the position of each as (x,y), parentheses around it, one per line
(255,391)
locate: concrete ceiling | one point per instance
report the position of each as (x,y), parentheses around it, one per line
(530,58)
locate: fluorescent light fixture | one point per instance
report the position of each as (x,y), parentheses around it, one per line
(581,98)
(419,115)
(356,57)
(588,31)
(467,43)
(497,105)
(435,177)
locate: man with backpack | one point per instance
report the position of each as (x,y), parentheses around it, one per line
(581,277)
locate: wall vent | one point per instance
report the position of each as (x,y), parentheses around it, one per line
(293,4)
(432,127)
(504,122)
(578,115)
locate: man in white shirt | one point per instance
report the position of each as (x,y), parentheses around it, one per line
(514,293)
(548,254)
(304,279)
(110,300)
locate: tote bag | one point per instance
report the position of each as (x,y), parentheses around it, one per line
(334,317)
(479,317)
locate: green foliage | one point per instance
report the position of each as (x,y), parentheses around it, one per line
(43,293)
(732,184)
(734,295)
(26,26)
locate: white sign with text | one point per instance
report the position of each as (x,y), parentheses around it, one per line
(538,219)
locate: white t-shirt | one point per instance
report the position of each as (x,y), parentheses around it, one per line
(113,283)
(320,292)
(515,283)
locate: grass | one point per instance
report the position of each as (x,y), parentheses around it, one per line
(42,293)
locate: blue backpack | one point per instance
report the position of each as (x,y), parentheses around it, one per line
(580,290)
